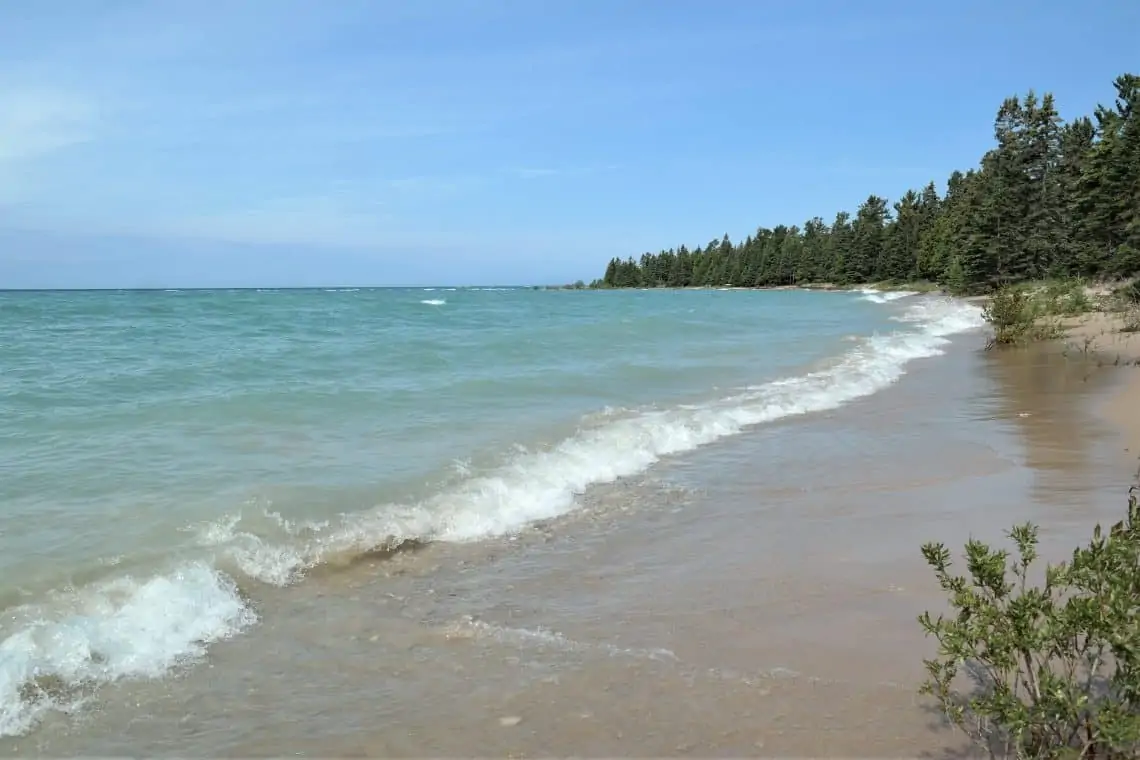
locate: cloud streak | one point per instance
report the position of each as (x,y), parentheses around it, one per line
(568,171)
(580,128)
(35,123)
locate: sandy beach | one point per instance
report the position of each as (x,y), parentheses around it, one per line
(711,610)
(810,647)
(756,597)
(1103,334)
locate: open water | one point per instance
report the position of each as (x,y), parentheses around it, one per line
(176,466)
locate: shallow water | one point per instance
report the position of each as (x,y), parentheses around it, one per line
(710,607)
(201,490)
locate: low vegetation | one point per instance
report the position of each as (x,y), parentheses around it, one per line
(1054,669)
(1064,298)
(1038,311)
(1021,314)
(1128,296)
(1131,320)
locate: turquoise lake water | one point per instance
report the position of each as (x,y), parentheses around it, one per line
(165,454)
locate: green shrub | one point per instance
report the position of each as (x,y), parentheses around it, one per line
(1066,298)
(1011,315)
(1131,322)
(1018,315)
(1056,669)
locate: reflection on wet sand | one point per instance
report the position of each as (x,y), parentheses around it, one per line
(1047,393)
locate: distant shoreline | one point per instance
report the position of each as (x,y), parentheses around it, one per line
(924,288)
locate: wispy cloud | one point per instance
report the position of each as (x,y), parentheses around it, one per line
(34,123)
(435,185)
(580,127)
(205,117)
(567,171)
(312,222)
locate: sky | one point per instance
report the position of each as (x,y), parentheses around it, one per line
(182,143)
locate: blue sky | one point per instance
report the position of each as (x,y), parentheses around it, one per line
(309,142)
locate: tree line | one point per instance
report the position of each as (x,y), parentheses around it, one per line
(1049,199)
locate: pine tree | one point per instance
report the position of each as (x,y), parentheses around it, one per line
(842,239)
(610,278)
(1047,199)
(1045,202)
(867,240)
(899,258)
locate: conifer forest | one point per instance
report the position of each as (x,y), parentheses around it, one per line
(1050,199)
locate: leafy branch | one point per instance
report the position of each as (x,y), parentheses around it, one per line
(1055,669)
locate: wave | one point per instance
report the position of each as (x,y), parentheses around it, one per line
(121,629)
(54,656)
(877,296)
(434,301)
(609,445)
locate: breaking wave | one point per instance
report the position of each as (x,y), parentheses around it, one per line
(53,656)
(878,296)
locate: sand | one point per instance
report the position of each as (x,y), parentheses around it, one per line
(768,612)
(763,616)
(788,618)
(1100,333)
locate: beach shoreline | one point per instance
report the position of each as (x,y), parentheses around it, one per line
(754,597)
(1101,334)
(1092,373)
(828,287)
(771,647)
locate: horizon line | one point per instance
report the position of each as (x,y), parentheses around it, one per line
(255,288)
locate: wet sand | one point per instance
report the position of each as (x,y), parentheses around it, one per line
(1101,334)
(754,598)
(787,629)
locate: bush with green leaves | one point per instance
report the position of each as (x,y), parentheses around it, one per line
(1018,315)
(1065,298)
(1130,322)
(1055,669)
(1130,293)
(1010,313)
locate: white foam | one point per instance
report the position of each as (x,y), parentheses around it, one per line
(538,485)
(122,629)
(543,484)
(875,296)
(143,629)
(434,301)
(544,638)
(275,563)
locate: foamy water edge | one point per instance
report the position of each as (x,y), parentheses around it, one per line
(144,628)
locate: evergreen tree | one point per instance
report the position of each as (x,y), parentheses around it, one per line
(842,237)
(869,232)
(1048,198)
(899,258)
